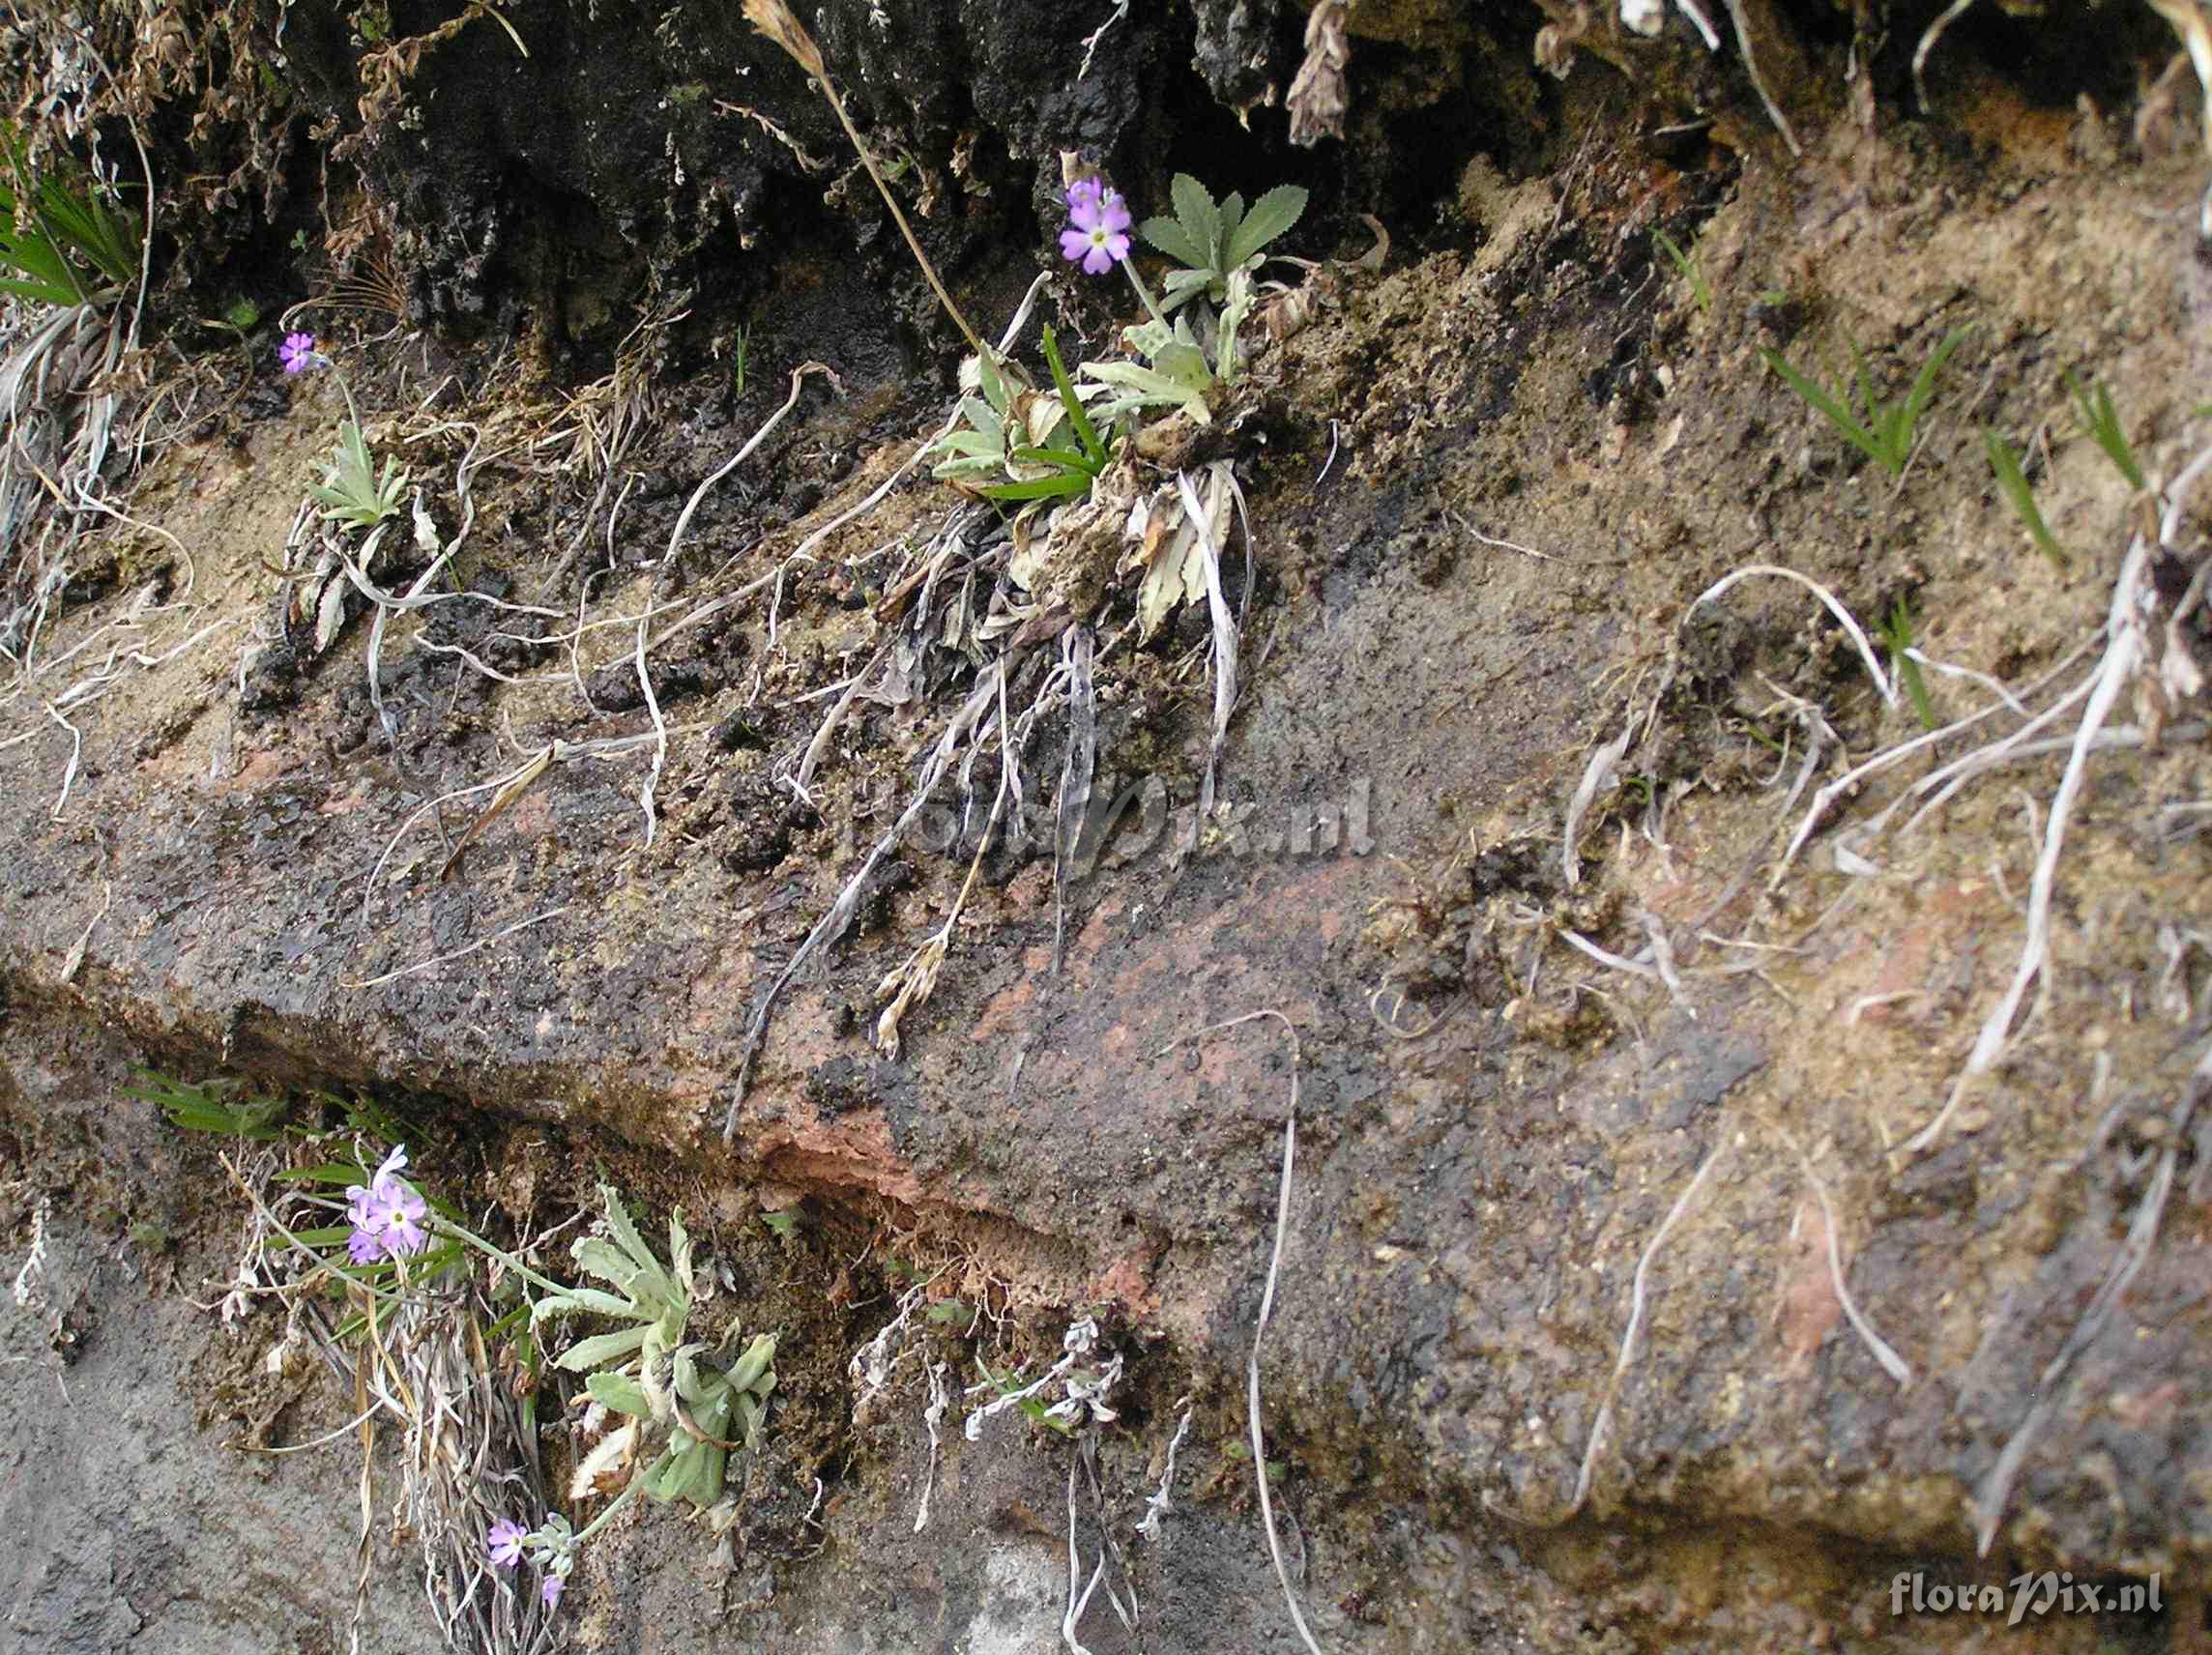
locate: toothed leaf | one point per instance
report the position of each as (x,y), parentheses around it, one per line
(1271,215)
(623,1395)
(1196,213)
(601,1349)
(1170,239)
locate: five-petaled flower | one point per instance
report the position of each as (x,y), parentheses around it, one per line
(297,352)
(387,1214)
(1098,227)
(506,1543)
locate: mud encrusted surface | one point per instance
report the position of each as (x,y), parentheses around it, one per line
(1508,833)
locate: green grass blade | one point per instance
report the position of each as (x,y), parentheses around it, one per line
(1897,633)
(1062,459)
(2102,420)
(1685,267)
(335,1173)
(1836,414)
(35,254)
(1066,482)
(1086,434)
(2012,482)
(43,292)
(1924,382)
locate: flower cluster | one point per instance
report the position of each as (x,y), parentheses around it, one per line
(1098,227)
(548,1548)
(387,1214)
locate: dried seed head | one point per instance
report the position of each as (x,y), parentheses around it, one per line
(774,18)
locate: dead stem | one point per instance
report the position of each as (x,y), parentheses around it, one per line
(1076,774)
(774,18)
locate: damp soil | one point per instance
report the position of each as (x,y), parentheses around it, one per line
(1488,477)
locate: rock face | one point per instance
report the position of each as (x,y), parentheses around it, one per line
(1612,1303)
(679,149)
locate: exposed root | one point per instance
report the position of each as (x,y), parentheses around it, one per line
(1892,1364)
(1742,23)
(833,923)
(503,932)
(1995,1491)
(1950,14)
(1267,1306)
(1843,617)
(2126,652)
(911,983)
(1156,1504)
(1601,1429)
(645,792)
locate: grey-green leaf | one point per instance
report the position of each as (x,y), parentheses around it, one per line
(1170,239)
(1200,218)
(1271,215)
(1231,214)
(1181,285)
(625,1232)
(623,1395)
(591,1299)
(601,1349)
(679,1251)
(607,1262)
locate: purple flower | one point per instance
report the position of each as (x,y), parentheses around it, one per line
(1098,228)
(399,1214)
(297,352)
(506,1540)
(551,1590)
(387,1214)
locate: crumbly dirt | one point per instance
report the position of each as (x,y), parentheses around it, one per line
(1487,484)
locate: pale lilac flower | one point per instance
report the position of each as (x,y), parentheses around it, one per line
(387,1214)
(399,1215)
(551,1590)
(1098,228)
(297,352)
(506,1540)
